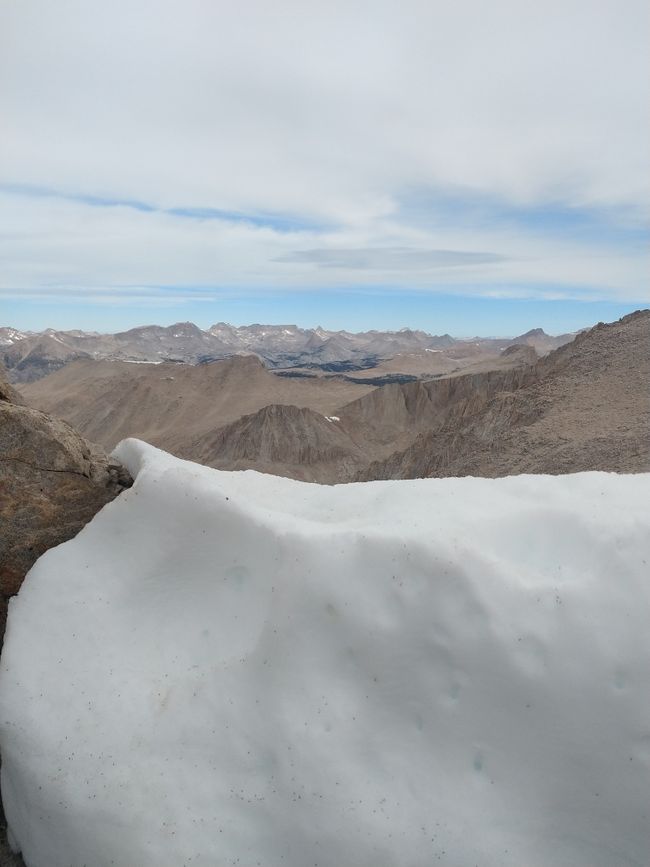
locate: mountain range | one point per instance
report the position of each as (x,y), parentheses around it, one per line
(584,405)
(28,356)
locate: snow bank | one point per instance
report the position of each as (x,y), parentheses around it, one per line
(231,668)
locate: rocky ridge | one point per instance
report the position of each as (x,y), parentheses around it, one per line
(31,356)
(218,413)
(304,443)
(586,406)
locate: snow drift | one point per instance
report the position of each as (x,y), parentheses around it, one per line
(231,668)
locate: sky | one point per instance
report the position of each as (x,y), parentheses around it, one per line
(468,167)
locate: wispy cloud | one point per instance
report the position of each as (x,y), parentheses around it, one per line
(427,147)
(614,225)
(391,258)
(56,244)
(277,222)
(151,297)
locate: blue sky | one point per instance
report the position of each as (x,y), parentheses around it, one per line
(460,167)
(459,315)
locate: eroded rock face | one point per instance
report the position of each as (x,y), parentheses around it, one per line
(52,482)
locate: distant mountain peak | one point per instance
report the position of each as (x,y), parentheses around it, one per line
(535,332)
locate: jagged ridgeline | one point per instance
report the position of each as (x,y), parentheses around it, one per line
(30,356)
(583,406)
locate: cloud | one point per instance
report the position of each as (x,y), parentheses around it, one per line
(120,297)
(61,245)
(391,258)
(443,206)
(280,222)
(287,145)
(326,108)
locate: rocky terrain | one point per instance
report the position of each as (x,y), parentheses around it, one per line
(583,406)
(304,443)
(218,413)
(52,482)
(30,356)
(170,405)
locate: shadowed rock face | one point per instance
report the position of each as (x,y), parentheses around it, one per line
(52,482)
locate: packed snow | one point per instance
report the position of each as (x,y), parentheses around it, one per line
(233,668)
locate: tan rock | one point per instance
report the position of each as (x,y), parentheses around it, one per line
(52,482)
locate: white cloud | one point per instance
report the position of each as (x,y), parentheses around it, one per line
(390,258)
(328,112)
(65,246)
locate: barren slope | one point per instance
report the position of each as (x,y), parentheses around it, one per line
(170,405)
(585,406)
(304,444)
(391,417)
(283,440)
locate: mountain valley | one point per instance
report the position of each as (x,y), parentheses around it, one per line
(583,405)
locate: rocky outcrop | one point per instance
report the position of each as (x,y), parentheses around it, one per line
(52,482)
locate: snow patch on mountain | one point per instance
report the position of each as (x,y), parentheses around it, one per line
(236,668)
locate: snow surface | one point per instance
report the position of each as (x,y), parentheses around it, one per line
(232,668)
